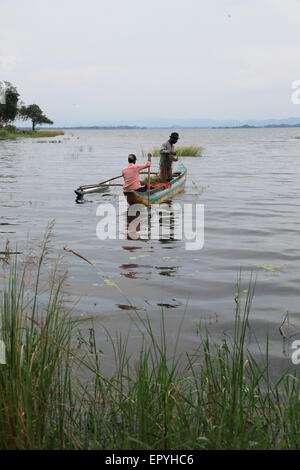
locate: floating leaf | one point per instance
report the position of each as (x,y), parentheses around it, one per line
(268,267)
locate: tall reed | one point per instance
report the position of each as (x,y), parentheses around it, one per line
(55,395)
(35,381)
(183,151)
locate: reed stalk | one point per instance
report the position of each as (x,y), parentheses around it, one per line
(55,395)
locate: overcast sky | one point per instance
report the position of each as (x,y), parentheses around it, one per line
(97,62)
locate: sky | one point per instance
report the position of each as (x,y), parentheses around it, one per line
(111,62)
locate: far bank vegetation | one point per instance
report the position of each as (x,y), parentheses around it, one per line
(11,108)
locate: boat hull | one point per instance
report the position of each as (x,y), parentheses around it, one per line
(158,195)
(95,189)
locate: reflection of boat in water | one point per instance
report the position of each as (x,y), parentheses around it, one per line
(160,192)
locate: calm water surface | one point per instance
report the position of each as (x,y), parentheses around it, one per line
(248,181)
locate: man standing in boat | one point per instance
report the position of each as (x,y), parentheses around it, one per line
(167,157)
(131,174)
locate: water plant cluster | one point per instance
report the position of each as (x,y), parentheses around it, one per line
(55,395)
(183,151)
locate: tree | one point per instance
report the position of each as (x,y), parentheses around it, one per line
(9,110)
(34,112)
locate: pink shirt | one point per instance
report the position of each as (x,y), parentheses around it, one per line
(131,175)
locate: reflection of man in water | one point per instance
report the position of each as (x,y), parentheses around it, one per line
(158,223)
(167,157)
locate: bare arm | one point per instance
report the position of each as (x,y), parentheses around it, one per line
(145,165)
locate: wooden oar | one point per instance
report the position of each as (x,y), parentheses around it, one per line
(149,155)
(87,186)
(148,185)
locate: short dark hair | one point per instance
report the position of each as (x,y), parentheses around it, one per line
(131,158)
(174,135)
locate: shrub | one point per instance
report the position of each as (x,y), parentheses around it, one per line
(11,128)
(3,133)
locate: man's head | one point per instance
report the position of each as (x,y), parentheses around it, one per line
(131,158)
(174,137)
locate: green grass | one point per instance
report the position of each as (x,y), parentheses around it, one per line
(11,132)
(186,151)
(54,394)
(153,179)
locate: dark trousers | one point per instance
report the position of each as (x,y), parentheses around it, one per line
(143,188)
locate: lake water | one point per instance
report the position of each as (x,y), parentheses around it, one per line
(248,182)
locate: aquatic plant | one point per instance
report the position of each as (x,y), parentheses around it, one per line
(50,133)
(184,151)
(54,394)
(153,179)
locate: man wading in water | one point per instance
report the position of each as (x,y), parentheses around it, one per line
(167,157)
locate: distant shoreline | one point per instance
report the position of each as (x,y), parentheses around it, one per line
(111,128)
(8,134)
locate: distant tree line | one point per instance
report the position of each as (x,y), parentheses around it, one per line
(13,109)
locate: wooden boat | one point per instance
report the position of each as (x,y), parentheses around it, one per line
(159,193)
